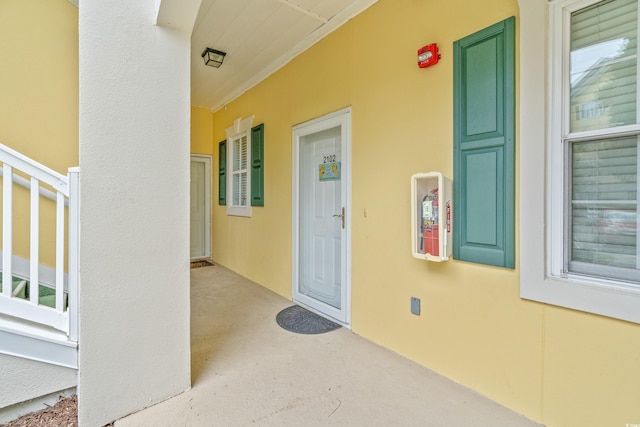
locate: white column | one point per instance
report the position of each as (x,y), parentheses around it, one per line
(134,215)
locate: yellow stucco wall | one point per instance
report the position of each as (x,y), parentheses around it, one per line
(560,367)
(201,131)
(39,97)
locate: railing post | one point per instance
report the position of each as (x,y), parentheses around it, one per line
(60,237)
(74,251)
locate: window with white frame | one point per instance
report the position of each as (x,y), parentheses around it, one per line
(239,173)
(598,141)
(579,226)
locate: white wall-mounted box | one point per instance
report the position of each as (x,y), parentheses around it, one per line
(431,216)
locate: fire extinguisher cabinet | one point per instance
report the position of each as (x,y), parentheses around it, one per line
(431,216)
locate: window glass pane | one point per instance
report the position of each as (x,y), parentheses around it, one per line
(243,153)
(236,155)
(604,185)
(239,173)
(240,189)
(603,67)
(243,189)
(236,190)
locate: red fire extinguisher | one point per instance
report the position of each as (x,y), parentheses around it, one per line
(431,243)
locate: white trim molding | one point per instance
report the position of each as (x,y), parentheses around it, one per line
(206,160)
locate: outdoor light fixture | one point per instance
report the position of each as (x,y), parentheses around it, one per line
(213,58)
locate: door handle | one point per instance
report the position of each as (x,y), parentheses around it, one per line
(340,215)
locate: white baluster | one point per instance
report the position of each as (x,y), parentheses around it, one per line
(7,230)
(34,279)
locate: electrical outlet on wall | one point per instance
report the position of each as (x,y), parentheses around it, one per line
(415,306)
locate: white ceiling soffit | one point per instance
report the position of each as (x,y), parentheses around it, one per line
(259,37)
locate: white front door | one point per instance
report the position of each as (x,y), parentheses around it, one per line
(321,215)
(200,207)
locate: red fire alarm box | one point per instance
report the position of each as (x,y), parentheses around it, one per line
(431,216)
(428,55)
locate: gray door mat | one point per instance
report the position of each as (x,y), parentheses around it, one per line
(302,321)
(201,263)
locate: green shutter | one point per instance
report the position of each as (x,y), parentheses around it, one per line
(257,165)
(484,146)
(222,173)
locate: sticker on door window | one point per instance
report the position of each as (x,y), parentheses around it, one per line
(329,171)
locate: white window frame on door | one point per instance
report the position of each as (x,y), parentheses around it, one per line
(241,128)
(340,118)
(541,202)
(207,202)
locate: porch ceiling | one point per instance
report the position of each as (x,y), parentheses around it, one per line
(259,37)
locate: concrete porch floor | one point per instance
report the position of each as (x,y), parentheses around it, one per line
(246,370)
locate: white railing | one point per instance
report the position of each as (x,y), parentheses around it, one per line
(65,194)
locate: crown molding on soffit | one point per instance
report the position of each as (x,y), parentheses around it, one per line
(354,9)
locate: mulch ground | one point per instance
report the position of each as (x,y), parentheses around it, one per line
(62,414)
(198,264)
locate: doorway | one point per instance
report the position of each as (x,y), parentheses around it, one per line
(200,229)
(321,217)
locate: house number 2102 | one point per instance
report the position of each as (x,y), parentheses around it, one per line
(330,159)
